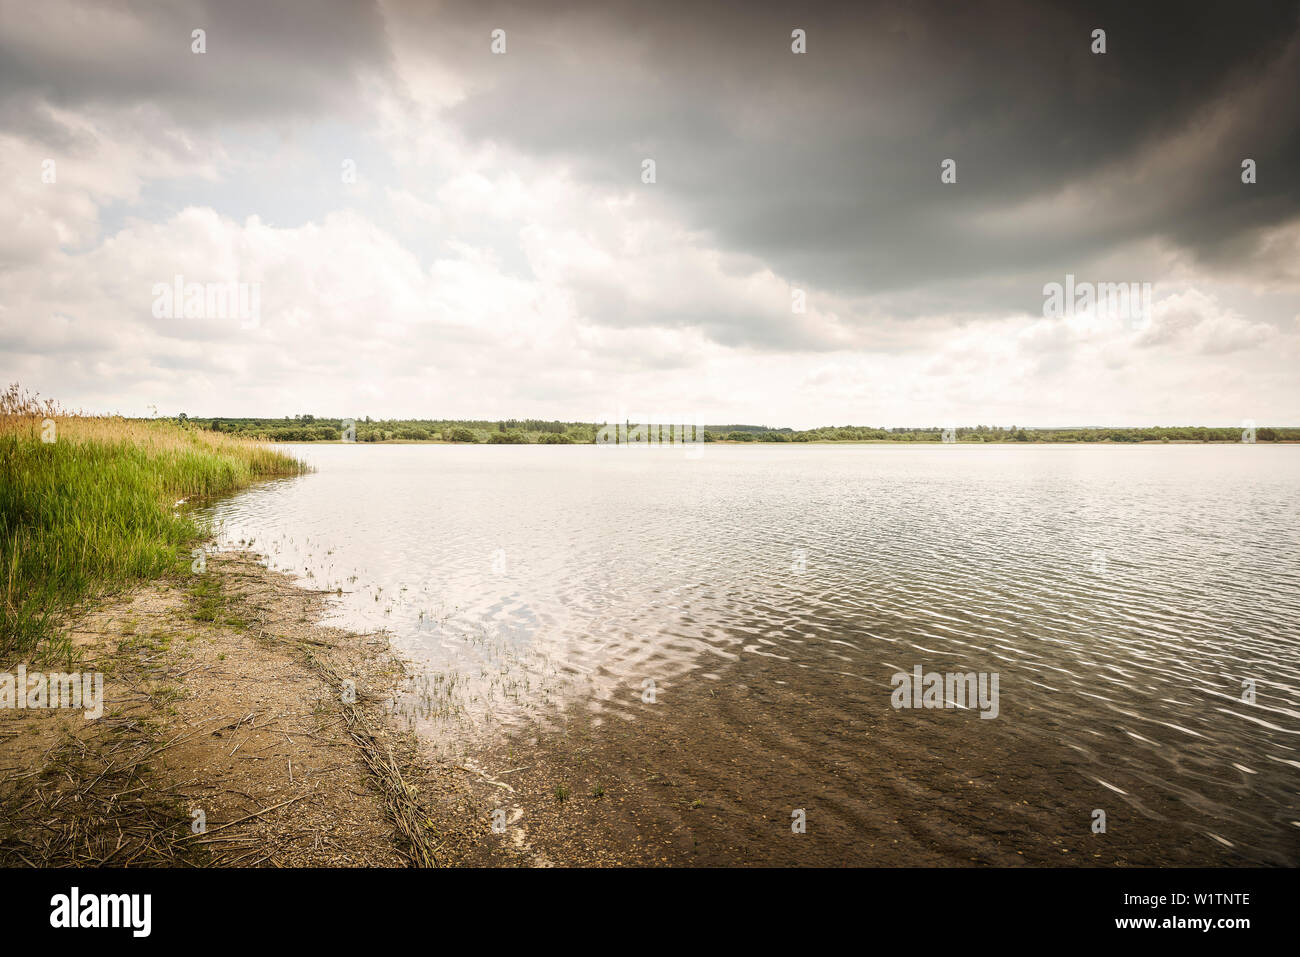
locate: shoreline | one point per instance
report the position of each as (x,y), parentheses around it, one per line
(236,731)
(223,695)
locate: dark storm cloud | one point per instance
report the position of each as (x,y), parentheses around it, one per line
(263,59)
(826,164)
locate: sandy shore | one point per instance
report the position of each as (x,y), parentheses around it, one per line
(235,732)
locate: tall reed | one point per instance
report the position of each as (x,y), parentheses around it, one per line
(87,506)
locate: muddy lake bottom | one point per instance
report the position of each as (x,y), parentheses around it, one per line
(714,776)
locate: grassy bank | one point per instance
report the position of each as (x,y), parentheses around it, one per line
(87,506)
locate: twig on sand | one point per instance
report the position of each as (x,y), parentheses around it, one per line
(247,817)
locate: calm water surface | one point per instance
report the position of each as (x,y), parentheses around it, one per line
(769,593)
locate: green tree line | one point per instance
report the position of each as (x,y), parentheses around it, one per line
(310,428)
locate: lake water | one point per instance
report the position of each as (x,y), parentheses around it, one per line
(721,634)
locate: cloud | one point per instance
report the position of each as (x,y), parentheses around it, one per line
(1197,322)
(262,60)
(499,254)
(826,165)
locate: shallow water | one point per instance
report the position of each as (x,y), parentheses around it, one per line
(1121,594)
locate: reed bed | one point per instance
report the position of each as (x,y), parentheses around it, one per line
(89,504)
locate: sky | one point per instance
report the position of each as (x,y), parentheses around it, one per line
(577,211)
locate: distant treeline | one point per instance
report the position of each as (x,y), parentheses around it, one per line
(309,428)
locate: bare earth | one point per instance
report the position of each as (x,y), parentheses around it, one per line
(228,738)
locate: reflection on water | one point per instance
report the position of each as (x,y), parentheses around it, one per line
(1123,595)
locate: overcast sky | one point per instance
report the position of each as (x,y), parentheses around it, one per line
(500,254)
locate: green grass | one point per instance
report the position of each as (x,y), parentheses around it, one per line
(93,511)
(211,605)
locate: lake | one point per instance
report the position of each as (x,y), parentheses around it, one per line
(701,650)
